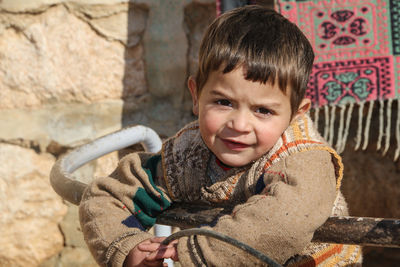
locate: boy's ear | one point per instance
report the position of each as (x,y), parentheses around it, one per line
(304,106)
(193,91)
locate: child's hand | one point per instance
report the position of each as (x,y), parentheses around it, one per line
(151,253)
(163,252)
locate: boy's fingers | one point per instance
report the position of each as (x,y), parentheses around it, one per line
(163,253)
(156,255)
(154,244)
(149,247)
(157,239)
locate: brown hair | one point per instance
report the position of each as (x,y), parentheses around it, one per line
(268,46)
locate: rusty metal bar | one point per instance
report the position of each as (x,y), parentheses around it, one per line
(382,232)
(363,231)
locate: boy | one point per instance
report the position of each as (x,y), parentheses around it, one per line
(252,147)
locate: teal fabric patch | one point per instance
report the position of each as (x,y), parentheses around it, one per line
(147,205)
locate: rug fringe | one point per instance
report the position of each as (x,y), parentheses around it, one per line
(331,125)
(359,128)
(379,142)
(397,152)
(388,126)
(368,124)
(339,139)
(347,127)
(316,116)
(326,128)
(339,135)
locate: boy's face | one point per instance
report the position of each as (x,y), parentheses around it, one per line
(240,120)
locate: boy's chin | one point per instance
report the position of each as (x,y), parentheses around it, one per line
(233,162)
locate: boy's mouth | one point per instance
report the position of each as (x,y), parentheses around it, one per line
(234,145)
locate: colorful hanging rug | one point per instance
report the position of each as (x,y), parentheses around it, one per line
(357,48)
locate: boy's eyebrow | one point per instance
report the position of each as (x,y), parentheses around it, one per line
(217,93)
(272,105)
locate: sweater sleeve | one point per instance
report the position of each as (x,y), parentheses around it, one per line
(297,197)
(115,211)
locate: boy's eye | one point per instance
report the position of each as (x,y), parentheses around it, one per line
(264,111)
(224,102)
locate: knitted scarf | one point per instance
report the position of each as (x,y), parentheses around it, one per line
(185,160)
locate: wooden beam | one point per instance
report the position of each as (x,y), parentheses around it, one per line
(363,231)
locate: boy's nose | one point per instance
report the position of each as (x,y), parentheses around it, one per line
(239,121)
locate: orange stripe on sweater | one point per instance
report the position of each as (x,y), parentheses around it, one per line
(284,141)
(349,249)
(321,256)
(230,189)
(286,147)
(326,254)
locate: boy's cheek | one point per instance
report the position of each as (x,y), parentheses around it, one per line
(267,139)
(207,132)
(210,123)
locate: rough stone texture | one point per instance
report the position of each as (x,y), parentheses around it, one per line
(165,41)
(14,6)
(56,57)
(106,164)
(71,257)
(66,124)
(120,22)
(79,257)
(30,210)
(71,229)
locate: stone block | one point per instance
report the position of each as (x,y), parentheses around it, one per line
(71,228)
(76,257)
(55,56)
(67,124)
(30,209)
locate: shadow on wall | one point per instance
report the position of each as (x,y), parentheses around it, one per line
(137,22)
(159,51)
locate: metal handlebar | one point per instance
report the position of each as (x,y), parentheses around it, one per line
(68,187)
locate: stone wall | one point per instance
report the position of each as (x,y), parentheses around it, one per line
(71,71)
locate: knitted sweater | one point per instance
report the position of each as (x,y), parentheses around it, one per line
(280,200)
